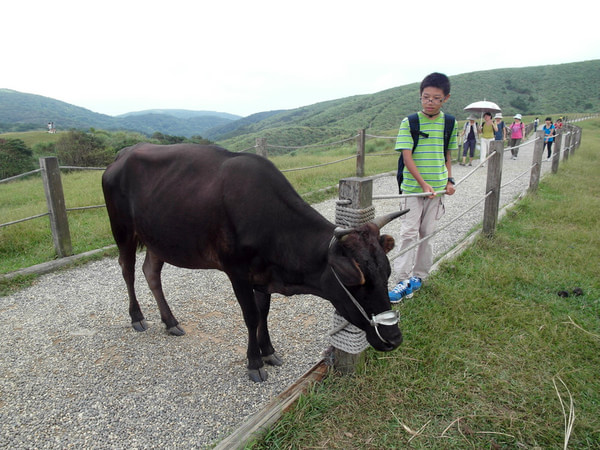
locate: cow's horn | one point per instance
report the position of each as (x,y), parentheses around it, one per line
(340,232)
(381,221)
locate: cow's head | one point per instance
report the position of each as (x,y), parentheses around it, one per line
(357,281)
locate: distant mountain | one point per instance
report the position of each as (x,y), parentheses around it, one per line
(182,113)
(541,90)
(29,111)
(19,108)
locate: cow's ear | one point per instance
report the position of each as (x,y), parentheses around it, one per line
(348,270)
(387,242)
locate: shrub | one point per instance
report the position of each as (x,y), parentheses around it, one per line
(77,148)
(15,158)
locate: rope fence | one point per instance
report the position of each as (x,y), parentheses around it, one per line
(360,155)
(347,341)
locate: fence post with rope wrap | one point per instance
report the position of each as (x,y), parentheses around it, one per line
(353,208)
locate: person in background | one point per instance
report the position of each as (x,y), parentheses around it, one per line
(500,134)
(517,132)
(536,123)
(559,123)
(469,134)
(488,129)
(549,133)
(427,170)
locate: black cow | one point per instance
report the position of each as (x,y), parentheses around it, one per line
(203,207)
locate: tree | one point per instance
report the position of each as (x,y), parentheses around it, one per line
(15,158)
(77,148)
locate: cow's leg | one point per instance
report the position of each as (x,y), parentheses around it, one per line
(263,302)
(127,263)
(152,267)
(245,297)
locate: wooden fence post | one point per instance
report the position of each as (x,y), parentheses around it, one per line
(556,151)
(360,153)
(567,139)
(494,178)
(577,138)
(354,208)
(261,147)
(573,140)
(538,154)
(57,209)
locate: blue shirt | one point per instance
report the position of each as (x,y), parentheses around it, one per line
(548,133)
(499,135)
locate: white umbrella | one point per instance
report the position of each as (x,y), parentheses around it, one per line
(483,106)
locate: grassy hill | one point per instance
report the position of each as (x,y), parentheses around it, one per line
(564,88)
(541,90)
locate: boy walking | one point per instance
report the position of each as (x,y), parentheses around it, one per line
(427,169)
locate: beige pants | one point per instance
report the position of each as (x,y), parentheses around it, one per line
(419,222)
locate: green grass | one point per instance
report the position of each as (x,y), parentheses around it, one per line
(486,341)
(29,243)
(32,137)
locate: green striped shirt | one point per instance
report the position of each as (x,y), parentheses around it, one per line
(429,154)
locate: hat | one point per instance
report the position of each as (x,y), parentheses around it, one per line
(518,116)
(471,117)
(498,116)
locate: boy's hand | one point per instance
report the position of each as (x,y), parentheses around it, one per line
(427,188)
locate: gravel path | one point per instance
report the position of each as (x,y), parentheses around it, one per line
(73,373)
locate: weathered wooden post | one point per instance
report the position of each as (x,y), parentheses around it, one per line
(360,153)
(572,141)
(354,208)
(575,130)
(566,146)
(556,151)
(261,147)
(536,168)
(57,209)
(494,178)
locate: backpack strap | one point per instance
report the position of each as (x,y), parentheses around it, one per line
(449,121)
(413,121)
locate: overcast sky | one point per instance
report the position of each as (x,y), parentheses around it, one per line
(244,57)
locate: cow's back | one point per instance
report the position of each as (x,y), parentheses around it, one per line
(191,204)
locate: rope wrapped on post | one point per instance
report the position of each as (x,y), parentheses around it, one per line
(350,217)
(345,336)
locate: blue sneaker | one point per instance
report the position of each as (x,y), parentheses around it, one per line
(401,290)
(415,283)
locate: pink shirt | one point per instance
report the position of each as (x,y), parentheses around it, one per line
(516,130)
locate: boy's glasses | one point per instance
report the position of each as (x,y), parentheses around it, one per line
(434,100)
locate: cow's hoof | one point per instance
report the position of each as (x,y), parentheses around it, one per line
(140,325)
(258,375)
(273,360)
(176,330)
